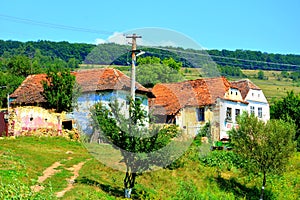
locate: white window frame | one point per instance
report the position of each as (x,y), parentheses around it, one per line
(252,110)
(259,112)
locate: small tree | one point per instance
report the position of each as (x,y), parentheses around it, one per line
(170,62)
(151,74)
(58,90)
(261,75)
(139,143)
(266,147)
(288,107)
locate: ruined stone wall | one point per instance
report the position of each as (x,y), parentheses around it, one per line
(31,118)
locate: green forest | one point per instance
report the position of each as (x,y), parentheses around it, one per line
(85,53)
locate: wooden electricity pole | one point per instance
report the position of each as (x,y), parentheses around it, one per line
(133,61)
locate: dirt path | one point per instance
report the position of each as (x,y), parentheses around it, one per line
(75,169)
(50,171)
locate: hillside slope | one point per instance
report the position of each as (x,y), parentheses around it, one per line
(24,159)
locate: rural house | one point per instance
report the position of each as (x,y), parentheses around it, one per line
(96,85)
(192,104)
(104,85)
(258,104)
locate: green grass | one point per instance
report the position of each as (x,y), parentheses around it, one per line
(272,87)
(24,159)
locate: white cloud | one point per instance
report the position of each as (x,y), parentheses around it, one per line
(116,37)
(100,41)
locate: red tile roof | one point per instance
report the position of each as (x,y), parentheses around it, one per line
(171,97)
(105,79)
(30,91)
(244,86)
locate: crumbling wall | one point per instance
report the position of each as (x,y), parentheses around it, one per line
(31,118)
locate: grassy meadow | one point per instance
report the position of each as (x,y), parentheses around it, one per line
(24,159)
(272,87)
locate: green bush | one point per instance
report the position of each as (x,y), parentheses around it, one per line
(222,160)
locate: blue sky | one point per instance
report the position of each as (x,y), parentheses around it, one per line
(271,26)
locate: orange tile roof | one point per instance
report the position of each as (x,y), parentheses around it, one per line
(30,91)
(171,97)
(244,86)
(105,79)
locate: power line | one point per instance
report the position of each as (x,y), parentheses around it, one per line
(103,32)
(52,25)
(224,57)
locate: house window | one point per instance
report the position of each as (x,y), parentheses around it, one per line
(252,110)
(171,119)
(229,113)
(260,112)
(200,114)
(237,112)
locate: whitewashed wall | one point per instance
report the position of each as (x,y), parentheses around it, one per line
(226,125)
(257,99)
(82,115)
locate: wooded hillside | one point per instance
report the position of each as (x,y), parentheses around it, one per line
(245,59)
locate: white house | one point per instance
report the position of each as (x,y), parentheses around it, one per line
(230,107)
(104,85)
(258,104)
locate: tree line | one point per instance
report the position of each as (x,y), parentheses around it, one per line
(108,53)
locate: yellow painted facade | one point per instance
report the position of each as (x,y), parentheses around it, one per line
(189,120)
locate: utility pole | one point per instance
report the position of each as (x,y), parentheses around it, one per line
(133,61)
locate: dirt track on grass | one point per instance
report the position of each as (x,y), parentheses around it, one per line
(50,171)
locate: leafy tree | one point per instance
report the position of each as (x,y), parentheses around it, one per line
(287,108)
(266,147)
(284,74)
(295,76)
(20,66)
(73,63)
(8,82)
(151,74)
(139,144)
(231,71)
(260,75)
(170,62)
(58,90)
(148,60)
